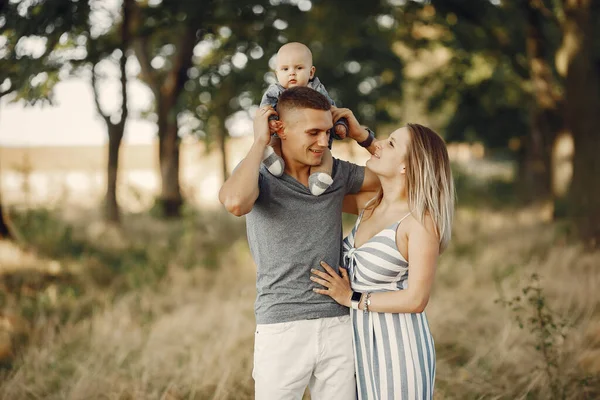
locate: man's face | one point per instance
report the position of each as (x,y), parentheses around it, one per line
(306,135)
(294,67)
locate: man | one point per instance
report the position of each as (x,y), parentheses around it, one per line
(302,339)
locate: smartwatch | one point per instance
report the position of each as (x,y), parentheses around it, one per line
(367,142)
(355,300)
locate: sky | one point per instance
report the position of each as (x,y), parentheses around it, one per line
(73,121)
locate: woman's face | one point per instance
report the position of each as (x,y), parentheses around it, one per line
(390,155)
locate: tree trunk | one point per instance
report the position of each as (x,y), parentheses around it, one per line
(5,231)
(115,130)
(583,117)
(223,147)
(167,90)
(546,121)
(170,199)
(112,211)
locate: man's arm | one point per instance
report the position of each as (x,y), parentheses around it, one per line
(240,191)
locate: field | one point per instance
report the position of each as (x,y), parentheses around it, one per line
(164,310)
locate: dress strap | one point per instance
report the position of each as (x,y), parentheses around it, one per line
(360,216)
(403,218)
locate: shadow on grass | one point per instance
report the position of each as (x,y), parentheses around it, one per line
(82,264)
(143,243)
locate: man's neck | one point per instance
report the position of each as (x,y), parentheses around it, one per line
(297,170)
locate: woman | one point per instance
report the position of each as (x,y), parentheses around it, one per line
(408,222)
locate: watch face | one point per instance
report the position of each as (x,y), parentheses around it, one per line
(356,296)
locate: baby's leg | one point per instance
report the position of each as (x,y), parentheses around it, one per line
(320,175)
(272,157)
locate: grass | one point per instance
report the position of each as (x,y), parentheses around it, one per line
(164,310)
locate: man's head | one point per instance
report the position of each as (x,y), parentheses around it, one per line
(294,65)
(305,120)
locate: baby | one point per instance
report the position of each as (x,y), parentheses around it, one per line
(295,68)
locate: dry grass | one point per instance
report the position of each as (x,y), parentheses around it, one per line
(190,335)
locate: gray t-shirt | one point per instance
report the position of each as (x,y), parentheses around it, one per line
(289,232)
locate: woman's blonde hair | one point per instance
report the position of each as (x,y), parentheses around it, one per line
(429,182)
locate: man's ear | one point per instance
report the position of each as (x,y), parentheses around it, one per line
(279,129)
(312,71)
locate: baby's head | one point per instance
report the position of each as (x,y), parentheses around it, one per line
(294,65)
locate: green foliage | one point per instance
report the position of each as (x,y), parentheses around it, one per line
(352,52)
(32,74)
(47,234)
(549,331)
(487,77)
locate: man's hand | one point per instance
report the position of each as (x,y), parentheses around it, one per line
(262,131)
(240,190)
(355,130)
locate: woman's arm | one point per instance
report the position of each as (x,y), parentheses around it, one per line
(423,248)
(355,130)
(353,203)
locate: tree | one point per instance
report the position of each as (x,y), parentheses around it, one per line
(500,77)
(232,80)
(581,66)
(166,37)
(6,231)
(100,49)
(546,110)
(535,101)
(352,50)
(31,75)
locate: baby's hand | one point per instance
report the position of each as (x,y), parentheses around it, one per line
(341,131)
(273,125)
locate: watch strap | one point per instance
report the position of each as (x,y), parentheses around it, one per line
(367,142)
(355,300)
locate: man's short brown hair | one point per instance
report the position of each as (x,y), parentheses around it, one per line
(302,97)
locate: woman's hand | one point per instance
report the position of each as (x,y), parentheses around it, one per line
(355,130)
(337,287)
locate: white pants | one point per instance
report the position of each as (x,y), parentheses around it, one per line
(317,353)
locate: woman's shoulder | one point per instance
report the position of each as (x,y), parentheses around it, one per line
(424,225)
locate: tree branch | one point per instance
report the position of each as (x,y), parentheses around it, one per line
(97,97)
(124,46)
(140,47)
(177,76)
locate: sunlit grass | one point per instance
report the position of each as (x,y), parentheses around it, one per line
(164,310)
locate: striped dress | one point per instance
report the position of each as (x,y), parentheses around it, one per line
(394,353)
